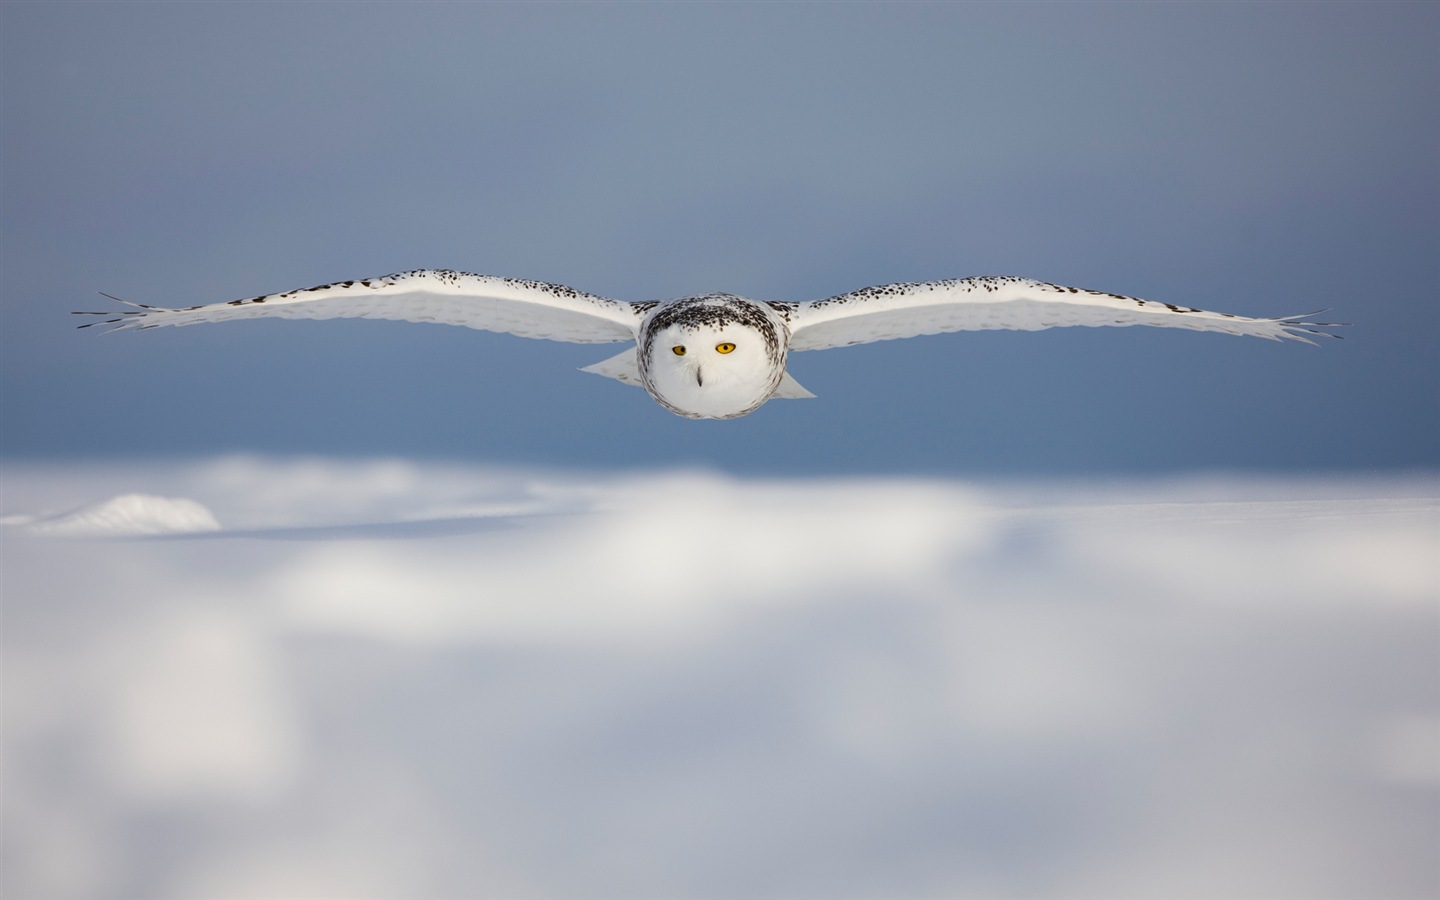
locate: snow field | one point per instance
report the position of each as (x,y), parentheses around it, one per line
(380,679)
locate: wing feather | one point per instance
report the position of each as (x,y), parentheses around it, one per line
(527,308)
(1004,302)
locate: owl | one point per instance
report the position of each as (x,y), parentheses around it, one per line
(712,356)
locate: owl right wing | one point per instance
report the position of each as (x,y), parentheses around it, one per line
(1002,302)
(526,308)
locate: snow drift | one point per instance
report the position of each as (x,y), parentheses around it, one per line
(128,515)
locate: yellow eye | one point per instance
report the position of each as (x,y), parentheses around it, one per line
(725,347)
(678,349)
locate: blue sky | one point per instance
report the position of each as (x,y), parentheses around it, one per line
(1256,159)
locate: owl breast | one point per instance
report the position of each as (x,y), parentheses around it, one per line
(712,357)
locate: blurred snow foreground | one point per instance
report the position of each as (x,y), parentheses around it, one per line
(381,680)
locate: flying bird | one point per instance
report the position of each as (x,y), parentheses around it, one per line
(712,356)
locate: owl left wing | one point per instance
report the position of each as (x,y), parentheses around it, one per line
(527,308)
(1003,302)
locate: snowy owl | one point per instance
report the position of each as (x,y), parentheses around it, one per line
(713,356)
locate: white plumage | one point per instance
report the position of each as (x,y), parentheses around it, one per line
(717,355)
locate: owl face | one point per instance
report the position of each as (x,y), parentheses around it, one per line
(717,362)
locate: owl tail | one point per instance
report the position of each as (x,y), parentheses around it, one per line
(625,368)
(790,389)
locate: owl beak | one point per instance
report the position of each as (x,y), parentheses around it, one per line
(699,377)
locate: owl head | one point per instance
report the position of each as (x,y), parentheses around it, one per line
(712,357)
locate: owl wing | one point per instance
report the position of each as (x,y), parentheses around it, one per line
(1003,302)
(527,308)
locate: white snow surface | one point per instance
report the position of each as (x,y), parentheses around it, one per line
(392,679)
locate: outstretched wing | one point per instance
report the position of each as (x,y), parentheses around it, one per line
(527,308)
(1003,302)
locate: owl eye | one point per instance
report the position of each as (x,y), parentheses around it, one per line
(725,347)
(678,349)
